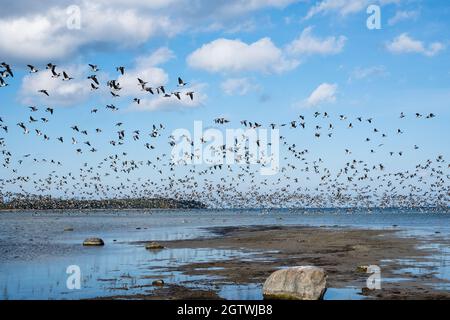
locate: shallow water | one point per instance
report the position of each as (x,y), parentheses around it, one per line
(35,251)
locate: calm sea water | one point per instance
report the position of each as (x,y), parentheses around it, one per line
(35,249)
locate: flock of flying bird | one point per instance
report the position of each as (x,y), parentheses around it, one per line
(113,85)
(304,180)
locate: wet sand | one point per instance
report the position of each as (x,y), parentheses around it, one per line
(338,250)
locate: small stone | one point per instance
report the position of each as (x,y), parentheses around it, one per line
(366,291)
(93,242)
(158,283)
(154,246)
(362,269)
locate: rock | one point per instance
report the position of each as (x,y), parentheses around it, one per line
(158,283)
(296,283)
(68,229)
(154,246)
(93,242)
(362,269)
(366,291)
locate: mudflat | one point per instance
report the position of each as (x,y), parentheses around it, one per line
(340,251)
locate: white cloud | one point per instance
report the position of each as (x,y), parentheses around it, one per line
(325,93)
(343,7)
(234,56)
(33,37)
(154,103)
(224,55)
(405,44)
(307,44)
(44,36)
(78,90)
(62,93)
(403,16)
(238,86)
(160,56)
(37,33)
(146,68)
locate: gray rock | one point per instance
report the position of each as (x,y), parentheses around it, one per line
(93,242)
(154,246)
(296,283)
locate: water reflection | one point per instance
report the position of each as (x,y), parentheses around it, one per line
(35,249)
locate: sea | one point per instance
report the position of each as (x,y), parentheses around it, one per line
(41,252)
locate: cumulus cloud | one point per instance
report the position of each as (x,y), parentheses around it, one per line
(76,91)
(146,68)
(160,56)
(154,103)
(62,93)
(307,44)
(238,86)
(405,44)
(38,33)
(33,38)
(45,36)
(325,93)
(225,55)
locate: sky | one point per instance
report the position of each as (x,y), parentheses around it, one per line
(262,60)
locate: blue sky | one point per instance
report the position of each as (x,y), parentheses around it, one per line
(284,58)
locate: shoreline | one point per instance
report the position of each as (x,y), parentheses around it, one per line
(340,251)
(223,256)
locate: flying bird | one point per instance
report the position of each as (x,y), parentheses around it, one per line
(181,83)
(94,67)
(32,68)
(121,70)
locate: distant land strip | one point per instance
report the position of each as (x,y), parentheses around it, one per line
(50,203)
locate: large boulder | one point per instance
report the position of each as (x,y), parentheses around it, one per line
(296,283)
(93,242)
